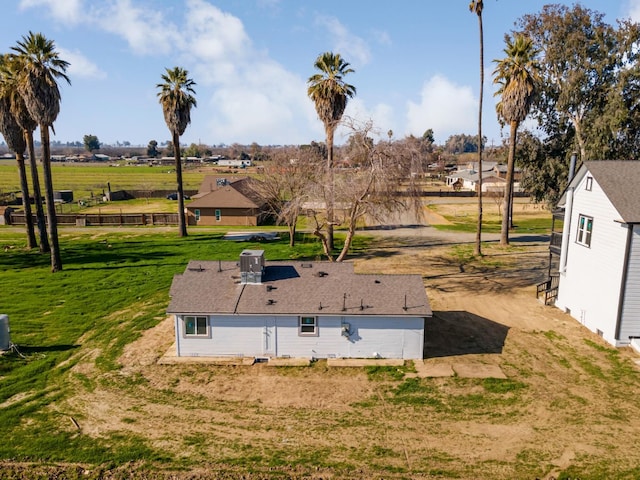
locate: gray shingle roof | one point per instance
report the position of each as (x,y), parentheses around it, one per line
(294,288)
(620,181)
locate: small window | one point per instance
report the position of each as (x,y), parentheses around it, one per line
(589,184)
(308,326)
(218,215)
(196,327)
(197,214)
(585,228)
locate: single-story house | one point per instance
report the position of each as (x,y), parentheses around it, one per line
(254,308)
(500,170)
(599,267)
(493,175)
(462,179)
(238,163)
(227,201)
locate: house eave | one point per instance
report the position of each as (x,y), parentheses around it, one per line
(627,223)
(294,314)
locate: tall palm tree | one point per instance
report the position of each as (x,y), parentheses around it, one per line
(176,96)
(41,67)
(330,94)
(517,77)
(476,7)
(12,134)
(9,75)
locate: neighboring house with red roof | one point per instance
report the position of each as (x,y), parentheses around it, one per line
(227,201)
(599,266)
(254,308)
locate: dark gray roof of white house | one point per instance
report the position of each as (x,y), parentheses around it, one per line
(296,288)
(620,181)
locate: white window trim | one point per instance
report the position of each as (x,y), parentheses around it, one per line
(196,335)
(218,214)
(588,183)
(196,213)
(584,235)
(316,331)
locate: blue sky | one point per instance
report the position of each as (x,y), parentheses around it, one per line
(416,63)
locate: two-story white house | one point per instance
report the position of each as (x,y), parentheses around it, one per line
(599,268)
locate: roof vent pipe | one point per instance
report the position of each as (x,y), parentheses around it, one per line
(568,209)
(572,167)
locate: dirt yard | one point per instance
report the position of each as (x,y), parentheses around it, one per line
(569,401)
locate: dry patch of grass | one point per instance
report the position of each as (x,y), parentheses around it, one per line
(566,409)
(151,205)
(558,409)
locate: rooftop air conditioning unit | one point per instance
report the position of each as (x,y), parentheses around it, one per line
(251,266)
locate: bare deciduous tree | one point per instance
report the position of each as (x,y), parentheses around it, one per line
(379,187)
(286,183)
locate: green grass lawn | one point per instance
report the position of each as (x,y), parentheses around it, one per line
(115,285)
(534,222)
(103,273)
(85,180)
(525,225)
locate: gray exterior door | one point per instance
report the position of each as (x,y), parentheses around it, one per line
(270,337)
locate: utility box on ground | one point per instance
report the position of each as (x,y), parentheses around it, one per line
(5,339)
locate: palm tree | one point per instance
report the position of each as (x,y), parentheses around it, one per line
(12,134)
(41,66)
(476,7)
(330,94)
(176,98)
(9,74)
(517,76)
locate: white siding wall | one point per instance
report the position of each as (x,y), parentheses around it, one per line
(230,336)
(590,286)
(278,336)
(630,325)
(386,337)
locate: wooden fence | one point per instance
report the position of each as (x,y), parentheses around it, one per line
(108,219)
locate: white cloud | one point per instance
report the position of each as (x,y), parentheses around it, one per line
(145,30)
(79,65)
(248,97)
(381,116)
(266,104)
(633,10)
(67,11)
(447,108)
(243,95)
(382,37)
(214,34)
(268,4)
(351,47)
